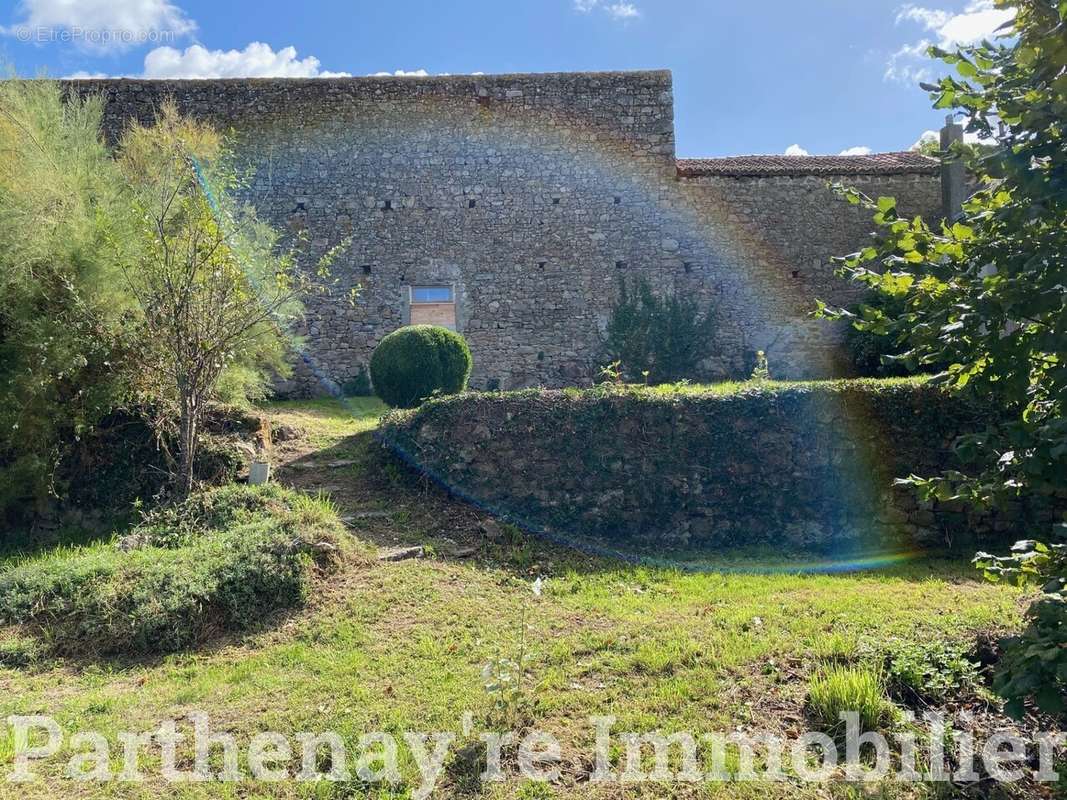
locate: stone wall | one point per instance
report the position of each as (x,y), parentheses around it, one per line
(777,237)
(809,467)
(532,195)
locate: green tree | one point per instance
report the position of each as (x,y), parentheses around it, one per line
(658,339)
(67,333)
(215,291)
(985,293)
(876,353)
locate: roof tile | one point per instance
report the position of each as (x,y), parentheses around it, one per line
(902,163)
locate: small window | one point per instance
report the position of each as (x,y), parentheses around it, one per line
(433,305)
(431,294)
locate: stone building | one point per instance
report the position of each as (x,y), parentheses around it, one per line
(509,207)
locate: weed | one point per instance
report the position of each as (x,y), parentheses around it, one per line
(929,671)
(834,646)
(762,371)
(535,790)
(503,677)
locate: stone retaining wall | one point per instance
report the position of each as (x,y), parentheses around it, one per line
(810,467)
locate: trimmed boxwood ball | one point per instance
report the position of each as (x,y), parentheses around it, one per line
(412,363)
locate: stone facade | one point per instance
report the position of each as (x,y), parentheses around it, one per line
(530,195)
(772,240)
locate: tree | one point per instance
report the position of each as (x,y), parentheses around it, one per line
(67,331)
(658,340)
(985,293)
(214,289)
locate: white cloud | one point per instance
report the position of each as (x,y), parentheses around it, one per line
(856,151)
(616,10)
(257,60)
(400,73)
(979,20)
(929,18)
(623,10)
(796,150)
(910,65)
(101,24)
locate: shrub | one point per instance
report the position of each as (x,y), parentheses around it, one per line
(67,346)
(221,561)
(1034,663)
(128,457)
(656,339)
(929,671)
(838,688)
(418,361)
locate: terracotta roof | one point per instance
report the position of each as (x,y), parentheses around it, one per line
(904,163)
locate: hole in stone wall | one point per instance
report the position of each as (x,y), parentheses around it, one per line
(492,384)
(541,264)
(299,207)
(796,273)
(555,201)
(366,269)
(472,203)
(687,266)
(388,205)
(617,200)
(541,356)
(620,265)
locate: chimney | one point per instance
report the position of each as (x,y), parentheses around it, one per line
(952,177)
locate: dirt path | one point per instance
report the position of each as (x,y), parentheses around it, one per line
(321,446)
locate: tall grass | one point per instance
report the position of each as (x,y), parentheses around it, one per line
(839,688)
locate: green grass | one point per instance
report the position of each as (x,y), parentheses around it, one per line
(326,421)
(839,688)
(221,561)
(401,646)
(732,387)
(726,388)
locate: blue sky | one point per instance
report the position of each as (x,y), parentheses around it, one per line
(821,76)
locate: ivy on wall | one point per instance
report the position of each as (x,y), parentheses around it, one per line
(803,465)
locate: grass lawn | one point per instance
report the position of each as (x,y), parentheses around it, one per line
(398,646)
